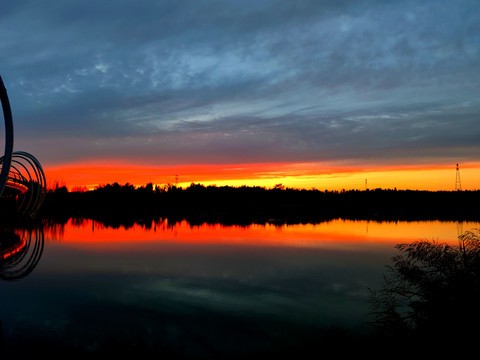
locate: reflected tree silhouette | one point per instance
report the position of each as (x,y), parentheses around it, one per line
(431,293)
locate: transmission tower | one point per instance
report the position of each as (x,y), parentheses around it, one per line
(458,183)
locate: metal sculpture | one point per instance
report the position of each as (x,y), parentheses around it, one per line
(21,177)
(20,252)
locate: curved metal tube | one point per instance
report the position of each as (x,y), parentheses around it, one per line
(7,115)
(22,263)
(34,178)
(39,185)
(21,171)
(21,204)
(30,176)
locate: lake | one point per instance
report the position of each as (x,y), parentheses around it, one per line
(194,291)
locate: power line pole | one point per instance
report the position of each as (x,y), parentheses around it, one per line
(458,183)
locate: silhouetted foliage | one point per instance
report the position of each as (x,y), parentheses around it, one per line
(226,203)
(432,292)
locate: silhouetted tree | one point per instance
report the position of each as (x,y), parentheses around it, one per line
(61,190)
(259,203)
(431,292)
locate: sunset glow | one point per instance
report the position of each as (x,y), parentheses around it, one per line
(238,178)
(302,175)
(327,95)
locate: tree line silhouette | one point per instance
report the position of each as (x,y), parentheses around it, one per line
(247,203)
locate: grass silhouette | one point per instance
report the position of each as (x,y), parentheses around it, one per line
(431,295)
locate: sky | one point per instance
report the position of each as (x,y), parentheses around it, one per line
(310,94)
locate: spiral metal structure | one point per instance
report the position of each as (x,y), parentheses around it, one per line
(21,175)
(20,252)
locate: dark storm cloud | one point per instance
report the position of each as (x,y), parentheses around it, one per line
(235,81)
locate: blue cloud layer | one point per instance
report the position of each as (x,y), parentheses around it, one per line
(235,81)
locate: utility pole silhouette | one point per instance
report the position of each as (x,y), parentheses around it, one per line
(458,183)
(176,180)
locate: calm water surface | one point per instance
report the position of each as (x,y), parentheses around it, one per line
(184,291)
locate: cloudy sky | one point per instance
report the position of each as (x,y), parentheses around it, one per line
(257,89)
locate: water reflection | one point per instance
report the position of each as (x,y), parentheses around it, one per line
(336,232)
(189,290)
(20,252)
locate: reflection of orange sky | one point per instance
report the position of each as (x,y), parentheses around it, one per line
(301,175)
(336,233)
(5,253)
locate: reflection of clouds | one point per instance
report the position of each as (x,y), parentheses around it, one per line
(217,294)
(357,289)
(296,300)
(22,255)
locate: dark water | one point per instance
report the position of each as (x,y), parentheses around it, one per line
(180,291)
